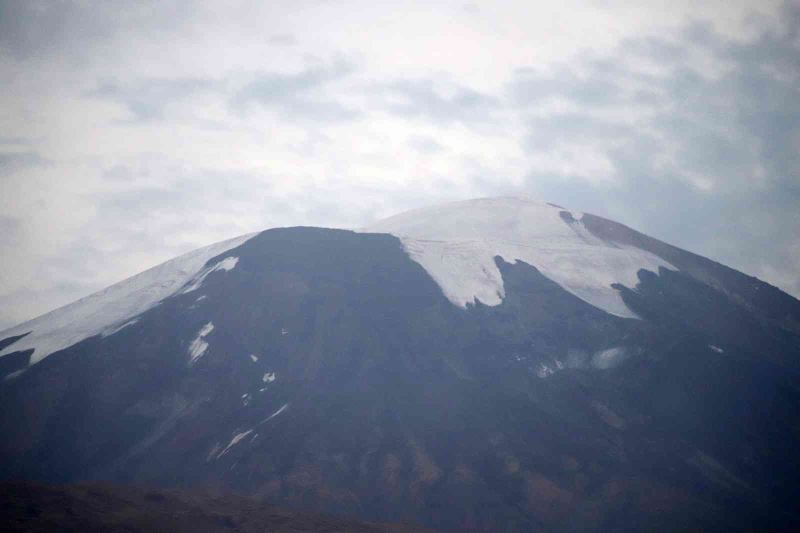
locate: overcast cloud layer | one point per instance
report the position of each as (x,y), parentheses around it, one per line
(131,132)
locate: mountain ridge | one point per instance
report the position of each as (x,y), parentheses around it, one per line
(100,315)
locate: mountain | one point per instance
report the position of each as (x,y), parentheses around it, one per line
(490,365)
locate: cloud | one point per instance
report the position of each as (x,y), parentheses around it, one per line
(31,29)
(141,130)
(13,161)
(298,94)
(425,145)
(147,99)
(283,39)
(9,230)
(437,101)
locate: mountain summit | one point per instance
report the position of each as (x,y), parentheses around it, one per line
(490,365)
(457,245)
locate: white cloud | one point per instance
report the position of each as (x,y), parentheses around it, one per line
(134,132)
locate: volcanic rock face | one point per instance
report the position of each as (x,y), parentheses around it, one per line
(492,365)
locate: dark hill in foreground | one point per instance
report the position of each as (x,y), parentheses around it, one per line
(33,507)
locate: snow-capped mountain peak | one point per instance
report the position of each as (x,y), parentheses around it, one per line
(457,244)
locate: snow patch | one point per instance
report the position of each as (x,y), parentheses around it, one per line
(15,374)
(276,413)
(234,441)
(716,348)
(244,434)
(227,264)
(213,453)
(545,370)
(116,304)
(113,330)
(269,377)
(199,346)
(457,244)
(609,358)
(254,358)
(576,358)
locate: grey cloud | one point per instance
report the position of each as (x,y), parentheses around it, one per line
(29,28)
(298,94)
(11,162)
(282,39)
(725,129)
(273,86)
(549,132)
(147,99)
(531,87)
(658,50)
(421,98)
(424,144)
(321,110)
(14,141)
(9,230)
(189,191)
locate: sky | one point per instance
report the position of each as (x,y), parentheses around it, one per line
(134,131)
